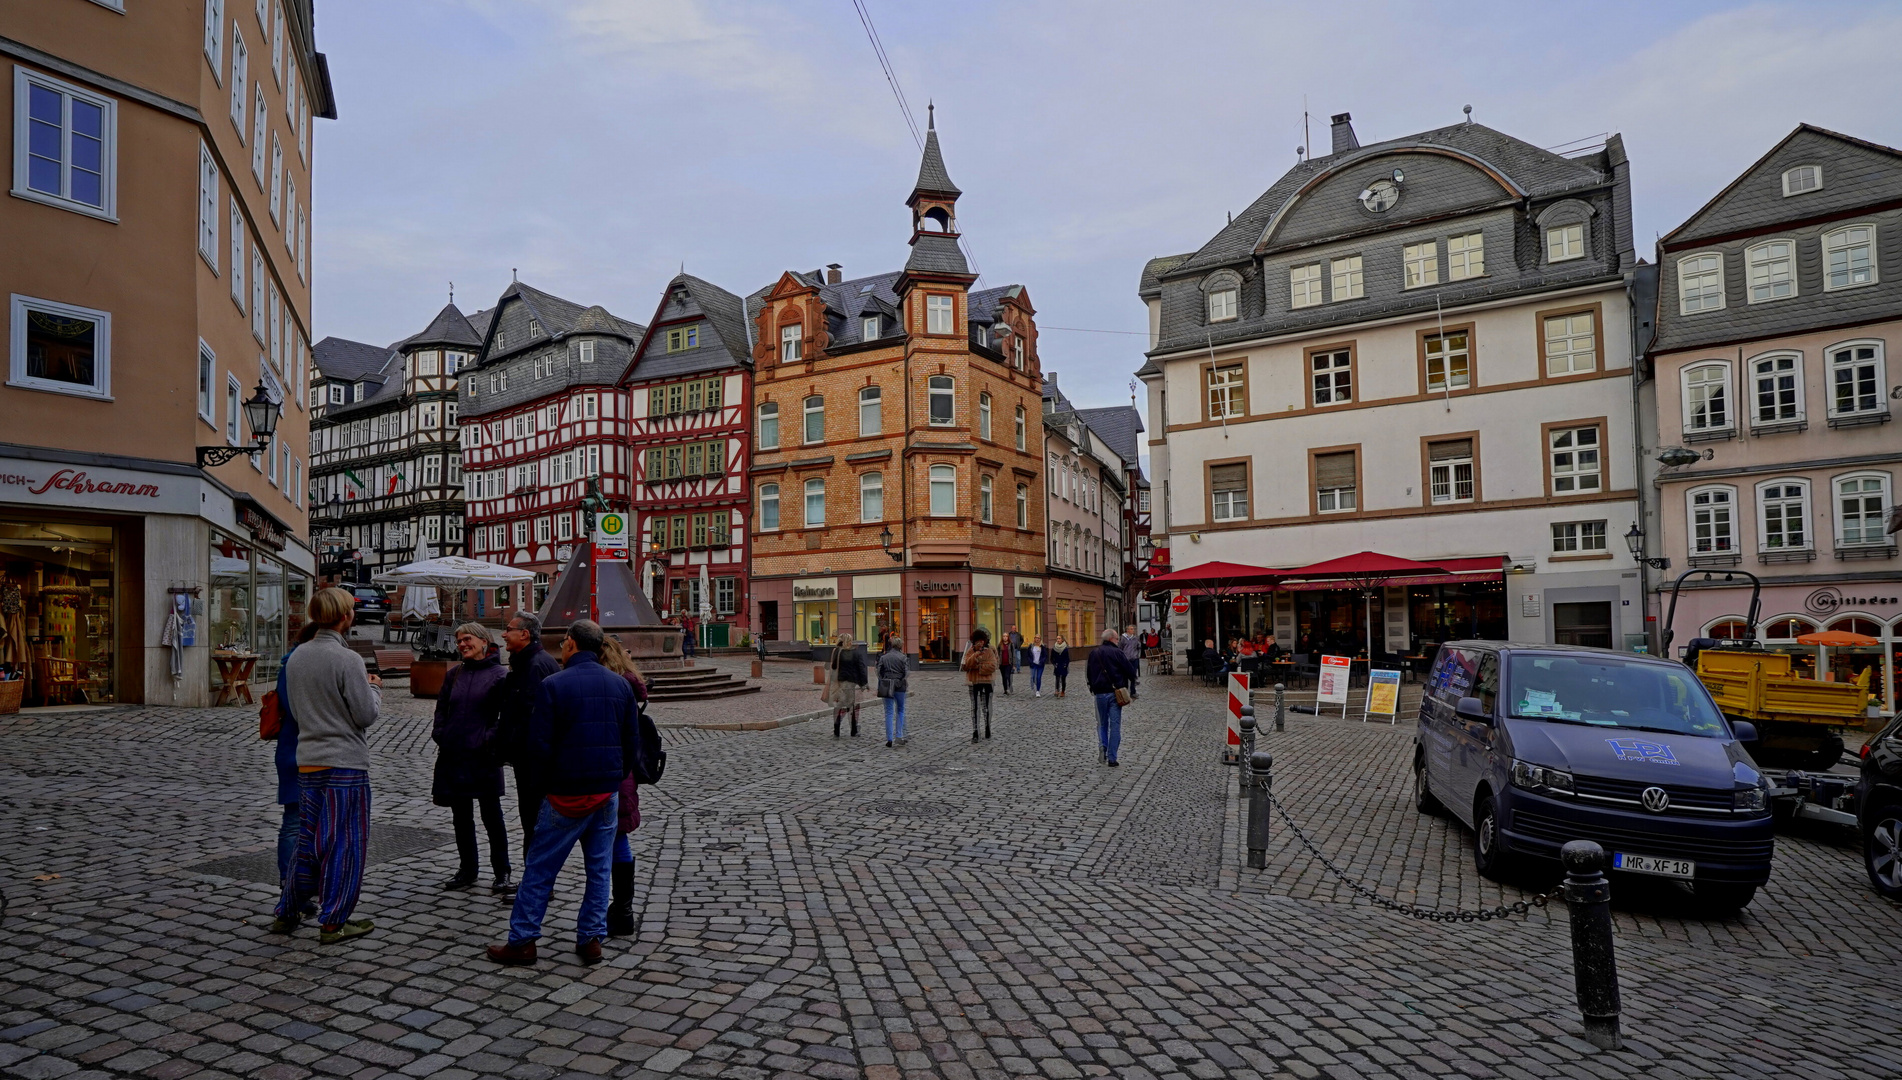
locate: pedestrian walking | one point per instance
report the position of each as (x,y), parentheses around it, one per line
(845,677)
(468,772)
(1110,674)
(289,792)
(1133,652)
(1035,656)
(529,664)
(1060,660)
(1008,656)
(979,664)
(894,671)
(687,643)
(583,741)
(335,702)
(614,657)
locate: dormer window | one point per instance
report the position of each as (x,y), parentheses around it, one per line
(686,337)
(869,328)
(789,342)
(336,393)
(501,340)
(1563,242)
(358,394)
(534,327)
(1223,290)
(1803,178)
(1222,305)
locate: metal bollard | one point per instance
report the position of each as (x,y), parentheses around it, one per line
(1594,968)
(1248,747)
(1281,707)
(1260,764)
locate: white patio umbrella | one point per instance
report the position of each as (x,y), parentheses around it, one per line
(455,572)
(706,602)
(421,600)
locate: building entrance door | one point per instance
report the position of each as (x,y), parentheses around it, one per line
(1582,624)
(937,626)
(769,620)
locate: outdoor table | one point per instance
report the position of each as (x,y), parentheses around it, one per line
(236,670)
(1414,663)
(1282,671)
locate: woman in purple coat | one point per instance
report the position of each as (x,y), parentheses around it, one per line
(468,773)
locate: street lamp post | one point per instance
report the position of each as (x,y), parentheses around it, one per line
(261,413)
(1634,540)
(885,542)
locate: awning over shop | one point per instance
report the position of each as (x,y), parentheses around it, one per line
(1218,578)
(1454,572)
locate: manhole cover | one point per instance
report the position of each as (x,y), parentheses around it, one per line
(387,842)
(901,808)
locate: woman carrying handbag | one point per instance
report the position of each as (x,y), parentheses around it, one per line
(845,677)
(1060,659)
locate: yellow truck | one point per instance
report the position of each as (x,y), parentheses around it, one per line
(1794,716)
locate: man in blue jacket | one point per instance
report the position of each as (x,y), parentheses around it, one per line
(1108,670)
(582,739)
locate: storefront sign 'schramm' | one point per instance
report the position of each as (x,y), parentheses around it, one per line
(75,480)
(99,489)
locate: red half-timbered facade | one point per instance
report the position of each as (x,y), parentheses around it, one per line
(689,392)
(541,415)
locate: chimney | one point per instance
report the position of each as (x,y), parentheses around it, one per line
(1344,139)
(834,273)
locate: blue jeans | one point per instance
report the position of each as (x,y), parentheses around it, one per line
(287,839)
(895,705)
(1109,724)
(1036,677)
(555,836)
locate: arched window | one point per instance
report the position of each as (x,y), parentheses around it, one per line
(872,497)
(1783,514)
(870,422)
(984,497)
(789,342)
(815,420)
(1023,506)
(1776,389)
(1802,179)
(944,491)
(768,506)
(1700,283)
(936,220)
(1020,427)
(941,405)
(1728,629)
(1707,397)
(1713,528)
(1855,382)
(1860,502)
(1223,290)
(1771,270)
(1849,257)
(815,503)
(1787,628)
(769,426)
(1855,625)
(984,417)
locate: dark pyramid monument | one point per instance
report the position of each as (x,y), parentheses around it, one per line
(606,591)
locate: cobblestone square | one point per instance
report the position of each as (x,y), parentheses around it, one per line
(831,908)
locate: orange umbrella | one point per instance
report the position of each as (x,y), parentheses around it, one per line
(1837,639)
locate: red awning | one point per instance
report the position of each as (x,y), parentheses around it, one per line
(1371,566)
(1216,577)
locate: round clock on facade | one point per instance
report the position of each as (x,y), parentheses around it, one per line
(1380,196)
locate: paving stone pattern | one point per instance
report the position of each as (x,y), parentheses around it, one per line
(831,908)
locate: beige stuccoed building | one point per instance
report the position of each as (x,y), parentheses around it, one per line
(1422,348)
(157,275)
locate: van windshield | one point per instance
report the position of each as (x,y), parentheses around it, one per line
(1606,691)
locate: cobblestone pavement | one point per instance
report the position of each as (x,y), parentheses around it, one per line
(832,908)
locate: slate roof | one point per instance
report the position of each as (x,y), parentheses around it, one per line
(1121,426)
(932,178)
(983,303)
(346,360)
(936,253)
(479,322)
(1151,282)
(722,342)
(1856,173)
(449,327)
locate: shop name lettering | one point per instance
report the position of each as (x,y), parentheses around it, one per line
(938,586)
(1823,601)
(74,480)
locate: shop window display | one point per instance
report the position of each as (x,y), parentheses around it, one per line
(57,612)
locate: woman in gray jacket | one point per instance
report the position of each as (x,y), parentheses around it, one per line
(892,686)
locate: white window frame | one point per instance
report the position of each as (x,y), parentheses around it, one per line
(1880,373)
(238,231)
(290,213)
(215,39)
(1705,269)
(807,504)
(1574,538)
(1577,362)
(1724,544)
(1346,278)
(1837,240)
(234,406)
(277,46)
(1021,426)
(1331,372)
(789,343)
(101,388)
(584,352)
(1223,305)
(1230,504)
(1445,474)
(768,411)
(277,181)
(871,497)
(941,388)
(807,411)
(258,312)
(1696,391)
(207,384)
(108,209)
(1450,379)
(240,69)
(1566,481)
(1420,264)
(260,123)
(1304,286)
(769,514)
(871,411)
(208,205)
(1759,263)
(1466,256)
(940,312)
(336,393)
(1023,506)
(1228,385)
(1790,173)
(1566,242)
(869,328)
(1758,378)
(1869,535)
(941,482)
(986,498)
(1784,502)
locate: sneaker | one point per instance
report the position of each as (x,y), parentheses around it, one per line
(351,929)
(1039,693)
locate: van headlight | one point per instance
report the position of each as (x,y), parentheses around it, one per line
(1752,799)
(1540,778)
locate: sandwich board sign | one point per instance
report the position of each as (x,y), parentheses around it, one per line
(1333,684)
(1383,696)
(610,535)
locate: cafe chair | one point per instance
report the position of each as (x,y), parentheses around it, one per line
(60,680)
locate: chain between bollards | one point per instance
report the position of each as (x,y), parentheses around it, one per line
(1594,965)
(1260,765)
(1248,747)
(1281,706)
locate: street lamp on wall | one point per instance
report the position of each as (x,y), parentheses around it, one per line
(1634,540)
(261,413)
(885,542)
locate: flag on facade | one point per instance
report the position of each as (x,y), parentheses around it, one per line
(396,477)
(356,485)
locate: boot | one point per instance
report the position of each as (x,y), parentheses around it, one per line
(621,907)
(837,719)
(855,721)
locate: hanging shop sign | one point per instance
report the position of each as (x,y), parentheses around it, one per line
(263,529)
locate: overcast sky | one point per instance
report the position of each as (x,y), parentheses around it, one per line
(598,145)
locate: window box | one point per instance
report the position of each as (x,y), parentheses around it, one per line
(1705,561)
(1860,419)
(1787,555)
(1848,552)
(1718,435)
(1779,429)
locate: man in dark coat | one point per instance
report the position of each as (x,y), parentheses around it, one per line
(468,710)
(529,664)
(1109,669)
(583,741)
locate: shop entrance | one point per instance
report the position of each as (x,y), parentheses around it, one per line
(1582,624)
(57,611)
(769,620)
(937,627)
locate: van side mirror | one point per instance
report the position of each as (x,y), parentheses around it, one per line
(1469,708)
(1745,730)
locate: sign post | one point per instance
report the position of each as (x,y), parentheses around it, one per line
(1237,697)
(1383,696)
(610,536)
(1334,679)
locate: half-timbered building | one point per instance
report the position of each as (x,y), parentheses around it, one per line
(689,389)
(385,466)
(542,416)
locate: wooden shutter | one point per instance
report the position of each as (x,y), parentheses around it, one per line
(1334,470)
(1450,450)
(1228,477)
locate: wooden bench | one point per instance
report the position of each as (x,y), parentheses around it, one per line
(393,661)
